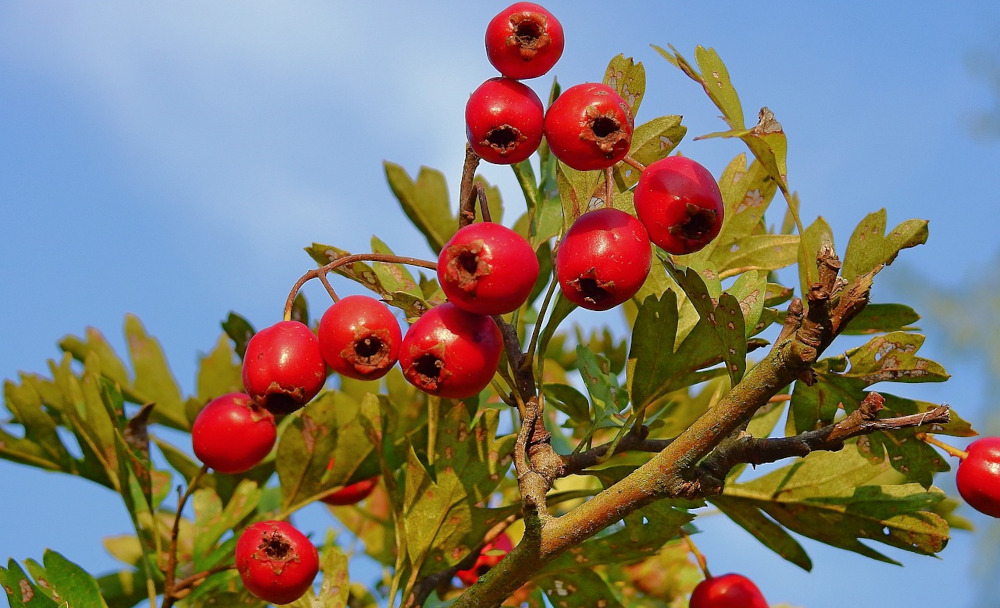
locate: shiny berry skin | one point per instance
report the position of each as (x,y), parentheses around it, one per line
(276,562)
(490,556)
(487,269)
(451,353)
(504,121)
(727,591)
(978,476)
(603,259)
(524,41)
(679,203)
(283,367)
(359,338)
(232,434)
(352,493)
(589,127)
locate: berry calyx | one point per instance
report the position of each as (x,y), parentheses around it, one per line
(232,434)
(283,368)
(504,120)
(524,41)
(352,493)
(679,203)
(487,269)
(451,353)
(359,338)
(589,126)
(276,562)
(978,476)
(490,556)
(603,259)
(727,591)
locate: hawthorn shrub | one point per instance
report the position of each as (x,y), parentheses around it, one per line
(510,458)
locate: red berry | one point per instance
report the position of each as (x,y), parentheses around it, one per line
(490,556)
(487,269)
(589,127)
(359,338)
(352,493)
(679,203)
(978,476)
(524,41)
(603,259)
(727,591)
(504,121)
(283,367)
(276,562)
(451,353)
(231,434)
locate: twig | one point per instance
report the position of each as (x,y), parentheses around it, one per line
(170,585)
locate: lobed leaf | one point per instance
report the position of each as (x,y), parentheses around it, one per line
(870,247)
(425,202)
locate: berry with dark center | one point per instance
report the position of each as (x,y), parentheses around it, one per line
(679,203)
(524,41)
(232,434)
(490,556)
(487,269)
(283,368)
(359,338)
(603,259)
(589,126)
(352,493)
(978,476)
(276,562)
(451,353)
(727,591)
(504,120)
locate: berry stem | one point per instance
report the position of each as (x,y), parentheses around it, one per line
(609,193)
(484,205)
(348,259)
(952,451)
(631,162)
(467,212)
(698,556)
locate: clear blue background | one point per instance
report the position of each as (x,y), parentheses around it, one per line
(173,159)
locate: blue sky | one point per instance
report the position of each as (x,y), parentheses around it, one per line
(173,160)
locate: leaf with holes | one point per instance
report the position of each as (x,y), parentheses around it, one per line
(629,79)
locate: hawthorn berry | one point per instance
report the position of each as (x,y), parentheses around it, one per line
(589,127)
(727,591)
(487,269)
(352,493)
(276,562)
(978,476)
(524,41)
(283,367)
(603,259)
(451,353)
(504,120)
(490,556)
(359,338)
(232,434)
(679,203)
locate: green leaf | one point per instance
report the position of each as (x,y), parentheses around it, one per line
(300,309)
(153,380)
(824,496)
(877,318)
(335,588)
(892,358)
(473,451)
(239,331)
(651,141)
(607,398)
(870,247)
(111,366)
(71,583)
(771,535)
(212,521)
(576,192)
(817,235)
(22,592)
(219,372)
(714,78)
(581,588)
(425,202)
(629,79)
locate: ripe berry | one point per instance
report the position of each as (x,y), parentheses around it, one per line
(231,434)
(978,476)
(487,269)
(679,203)
(359,338)
(603,259)
(727,591)
(352,493)
(451,353)
(524,41)
(276,562)
(283,367)
(589,127)
(490,556)
(504,121)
